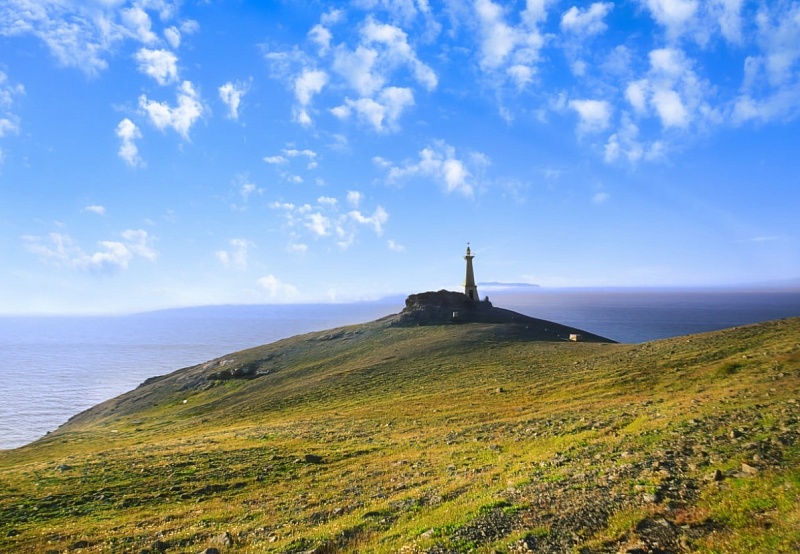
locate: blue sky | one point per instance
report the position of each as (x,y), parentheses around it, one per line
(159,153)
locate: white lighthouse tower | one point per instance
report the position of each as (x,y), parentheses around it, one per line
(470,289)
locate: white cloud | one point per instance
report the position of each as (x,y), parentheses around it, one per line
(728,14)
(8,91)
(332,17)
(672,91)
(128,133)
(673,15)
(308,84)
(586,22)
(377,220)
(509,52)
(394,246)
(326,220)
(322,36)
(382,113)
(85,34)
(594,115)
(231,94)
(276,289)
(600,198)
(95,209)
(310,155)
(173,36)
(438,162)
(499,38)
(636,94)
(236,256)
(521,75)
(190,26)
(138,241)
(624,143)
(181,117)
(8,127)
(9,122)
(247,189)
(297,248)
(276,160)
(356,68)
(354,198)
(397,51)
(367,69)
(318,224)
(138,21)
(77,34)
(59,249)
(771,85)
(670,108)
(161,65)
(779,32)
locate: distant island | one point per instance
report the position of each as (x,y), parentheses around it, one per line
(497,284)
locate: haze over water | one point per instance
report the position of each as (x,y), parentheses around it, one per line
(56,367)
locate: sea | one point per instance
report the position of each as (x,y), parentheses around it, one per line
(54,367)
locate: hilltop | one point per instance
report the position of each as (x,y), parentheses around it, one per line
(412,434)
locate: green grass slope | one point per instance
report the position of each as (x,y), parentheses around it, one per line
(450,438)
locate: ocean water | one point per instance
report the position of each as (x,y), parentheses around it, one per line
(56,367)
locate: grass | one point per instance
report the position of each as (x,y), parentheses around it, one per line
(458,438)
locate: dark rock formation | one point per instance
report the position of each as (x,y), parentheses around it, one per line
(444,306)
(451,308)
(447,307)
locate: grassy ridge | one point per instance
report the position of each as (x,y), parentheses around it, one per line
(453,438)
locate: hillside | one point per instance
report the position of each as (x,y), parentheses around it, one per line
(402,436)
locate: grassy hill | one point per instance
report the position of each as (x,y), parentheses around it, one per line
(437,438)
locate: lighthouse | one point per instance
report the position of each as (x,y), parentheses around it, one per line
(470,289)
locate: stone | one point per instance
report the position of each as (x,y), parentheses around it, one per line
(225,539)
(748,469)
(210,551)
(312,459)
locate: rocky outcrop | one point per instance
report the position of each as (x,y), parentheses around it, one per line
(446,307)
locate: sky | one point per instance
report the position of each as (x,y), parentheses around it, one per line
(158,153)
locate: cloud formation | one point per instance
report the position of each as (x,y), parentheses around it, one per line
(231,94)
(84,34)
(327,220)
(594,115)
(368,71)
(277,289)
(439,163)
(180,117)
(60,250)
(128,133)
(95,209)
(161,65)
(236,256)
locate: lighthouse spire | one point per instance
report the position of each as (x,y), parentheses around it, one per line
(470,289)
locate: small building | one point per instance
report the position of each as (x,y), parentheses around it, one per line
(575,337)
